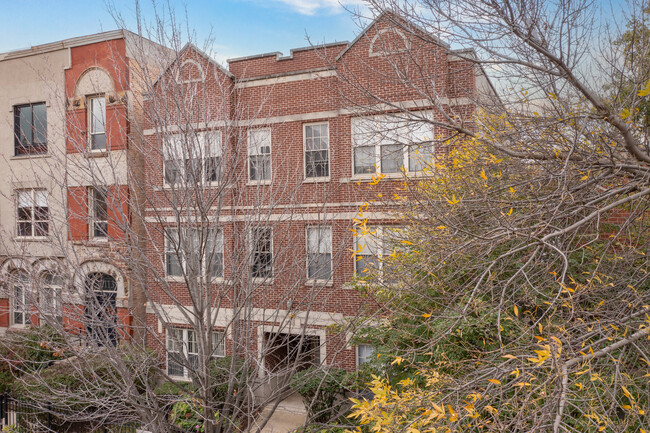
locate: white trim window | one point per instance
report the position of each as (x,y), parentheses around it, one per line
(98,212)
(372,249)
(183,352)
(51,305)
(316,143)
(32,213)
(20,306)
(97,122)
(262,252)
(195,249)
(365,353)
(259,154)
(389,144)
(319,253)
(192,158)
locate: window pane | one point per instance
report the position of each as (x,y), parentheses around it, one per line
(317,163)
(99,202)
(98,141)
(419,157)
(392,158)
(40,124)
(365,353)
(218,343)
(364,159)
(98,115)
(260,167)
(26,136)
(262,258)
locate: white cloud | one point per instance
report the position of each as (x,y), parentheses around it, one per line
(310,7)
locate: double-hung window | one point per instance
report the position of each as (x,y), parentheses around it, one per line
(391,143)
(183,353)
(374,248)
(30,129)
(192,158)
(32,213)
(97,122)
(319,253)
(316,138)
(259,154)
(51,308)
(365,353)
(262,252)
(98,212)
(193,252)
(20,307)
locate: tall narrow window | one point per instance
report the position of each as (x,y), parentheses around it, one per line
(365,353)
(20,299)
(32,213)
(51,308)
(262,253)
(212,156)
(30,129)
(182,352)
(316,150)
(97,122)
(99,213)
(259,154)
(367,251)
(319,253)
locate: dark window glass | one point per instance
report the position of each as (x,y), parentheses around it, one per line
(30,129)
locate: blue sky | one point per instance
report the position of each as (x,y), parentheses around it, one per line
(238,27)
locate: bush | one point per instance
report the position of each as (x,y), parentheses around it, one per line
(26,351)
(321,390)
(187,414)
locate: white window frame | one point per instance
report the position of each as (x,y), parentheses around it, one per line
(91,116)
(92,213)
(173,344)
(51,302)
(253,251)
(31,198)
(209,253)
(323,248)
(305,138)
(366,358)
(22,307)
(380,131)
(201,146)
(255,151)
(378,236)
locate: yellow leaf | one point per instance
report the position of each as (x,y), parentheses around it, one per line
(509,356)
(516,311)
(426,315)
(509,212)
(539,325)
(494,381)
(483,176)
(645,91)
(441,227)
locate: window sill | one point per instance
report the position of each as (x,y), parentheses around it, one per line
(180,279)
(32,239)
(316,179)
(258,182)
(372,177)
(97,153)
(183,187)
(262,281)
(326,283)
(30,156)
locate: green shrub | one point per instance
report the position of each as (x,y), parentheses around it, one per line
(187,414)
(321,390)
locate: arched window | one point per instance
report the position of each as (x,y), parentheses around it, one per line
(101,312)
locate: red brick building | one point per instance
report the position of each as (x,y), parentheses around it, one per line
(197,197)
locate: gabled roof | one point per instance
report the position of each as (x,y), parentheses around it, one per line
(191,46)
(399,21)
